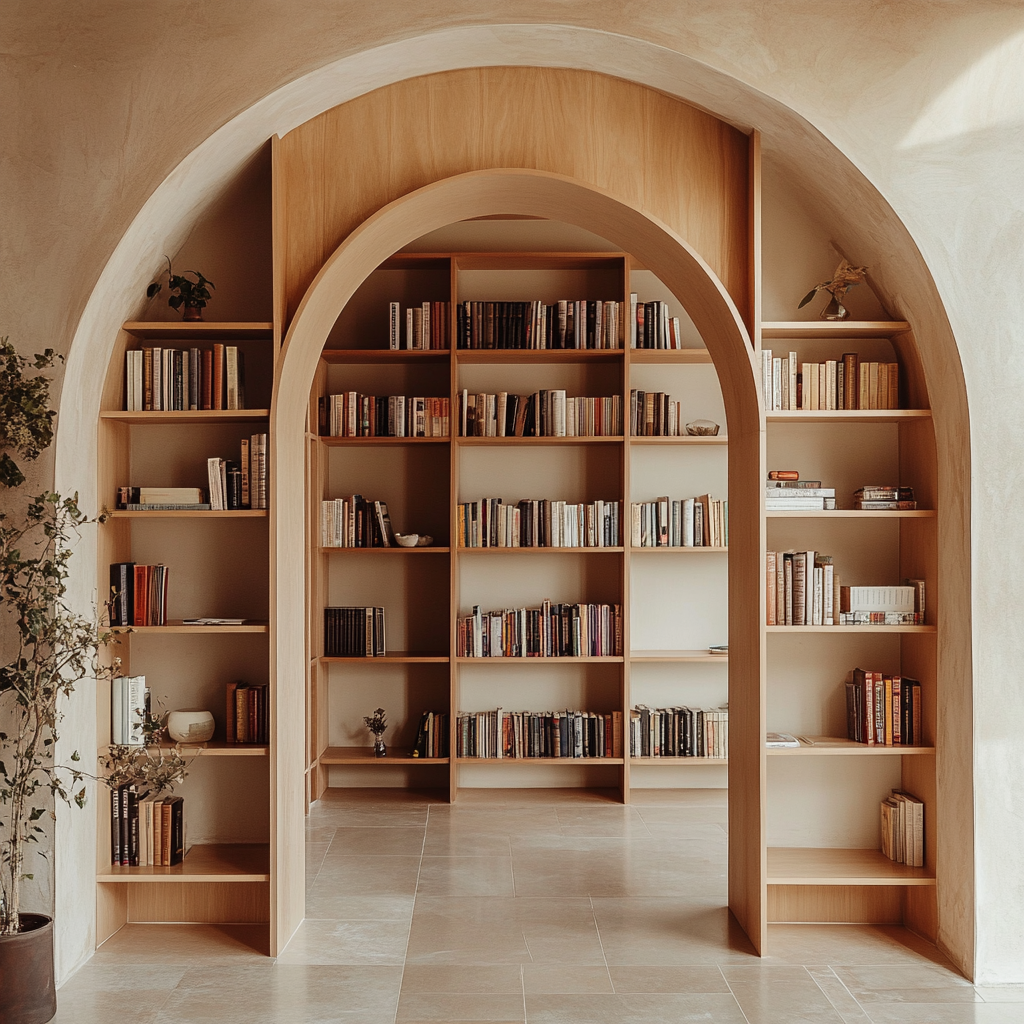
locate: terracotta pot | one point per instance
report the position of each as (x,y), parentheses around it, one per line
(192,313)
(27,992)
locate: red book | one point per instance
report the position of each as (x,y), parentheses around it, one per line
(218,376)
(784,474)
(141,596)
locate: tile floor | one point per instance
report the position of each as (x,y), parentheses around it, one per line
(512,908)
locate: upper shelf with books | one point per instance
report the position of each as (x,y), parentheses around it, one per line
(187,415)
(181,513)
(833,329)
(384,355)
(846,415)
(189,329)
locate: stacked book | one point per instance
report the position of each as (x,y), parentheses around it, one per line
(880,606)
(523,734)
(538,523)
(242,484)
(844,383)
(651,326)
(802,589)
(129,705)
(427,326)
(159,379)
(883,709)
(146,832)
(687,523)
(138,594)
(431,735)
(355,522)
(248,713)
(353,632)
(565,324)
(654,414)
(786,492)
(903,829)
(679,732)
(542,414)
(354,415)
(884,497)
(161,499)
(551,631)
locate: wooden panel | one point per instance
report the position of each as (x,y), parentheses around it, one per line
(822,903)
(189,330)
(854,330)
(111,910)
(679,164)
(815,865)
(203,902)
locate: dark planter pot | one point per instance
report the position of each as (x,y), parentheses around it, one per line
(27,992)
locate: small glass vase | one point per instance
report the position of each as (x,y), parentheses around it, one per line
(379,747)
(835,310)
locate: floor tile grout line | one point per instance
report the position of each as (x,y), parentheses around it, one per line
(856,1001)
(728,985)
(604,955)
(412,916)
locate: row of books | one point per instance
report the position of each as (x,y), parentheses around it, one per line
(542,414)
(242,484)
(523,734)
(355,522)
(565,324)
(159,379)
(351,414)
(551,631)
(431,735)
(845,383)
(354,632)
(248,713)
(786,492)
(138,594)
(802,589)
(651,325)
(538,523)
(146,832)
(883,710)
(679,732)
(654,414)
(683,523)
(902,827)
(427,326)
(129,704)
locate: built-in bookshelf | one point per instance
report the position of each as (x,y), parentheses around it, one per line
(217,565)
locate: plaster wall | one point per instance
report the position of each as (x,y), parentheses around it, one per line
(923,97)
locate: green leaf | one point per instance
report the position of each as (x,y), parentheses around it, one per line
(10,475)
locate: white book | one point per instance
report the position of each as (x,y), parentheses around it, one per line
(793,370)
(117,691)
(688,522)
(213,479)
(558,410)
(809,589)
(425,334)
(136,705)
(805,377)
(767,390)
(819,604)
(827,583)
(632,319)
(777,383)
(129,381)
(394,325)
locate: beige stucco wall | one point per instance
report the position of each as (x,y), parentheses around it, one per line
(924,98)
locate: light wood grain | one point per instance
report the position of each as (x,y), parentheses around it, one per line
(189,330)
(807,330)
(239,862)
(816,866)
(199,902)
(188,416)
(829,746)
(869,904)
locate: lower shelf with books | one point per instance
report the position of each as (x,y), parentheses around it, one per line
(214,862)
(829,866)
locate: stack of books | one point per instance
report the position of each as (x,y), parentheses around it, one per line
(884,497)
(565,324)
(355,522)
(679,732)
(161,499)
(129,705)
(138,594)
(883,709)
(903,829)
(248,713)
(146,832)
(159,379)
(844,383)
(431,735)
(354,415)
(551,631)
(686,523)
(354,632)
(802,589)
(542,414)
(427,326)
(538,523)
(527,734)
(786,492)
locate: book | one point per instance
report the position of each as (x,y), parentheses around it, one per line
(777,740)
(528,734)
(550,631)
(679,731)
(354,632)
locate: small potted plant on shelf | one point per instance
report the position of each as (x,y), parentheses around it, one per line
(846,276)
(51,648)
(187,295)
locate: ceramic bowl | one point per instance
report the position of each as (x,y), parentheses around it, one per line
(702,428)
(407,540)
(190,725)
(424,541)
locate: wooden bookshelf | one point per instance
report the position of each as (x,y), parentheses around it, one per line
(214,862)
(833,746)
(185,330)
(852,330)
(189,513)
(365,755)
(806,866)
(186,416)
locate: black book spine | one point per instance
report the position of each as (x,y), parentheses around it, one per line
(177,830)
(123,839)
(133,826)
(115,826)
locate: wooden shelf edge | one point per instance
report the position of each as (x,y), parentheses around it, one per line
(836,746)
(680,760)
(540,442)
(180,627)
(540,760)
(216,862)
(851,630)
(241,330)
(678,550)
(845,415)
(818,866)
(396,658)
(234,513)
(718,439)
(701,656)
(397,550)
(214,748)
(852,513)
(833,328)
(608,659)
(578,550)
(185,415)
(364,756)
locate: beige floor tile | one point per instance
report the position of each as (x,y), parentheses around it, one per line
(1001,993)
(315,853)
(944,1013)
(101,1007)
(381,841)
(850,945)
(503,979)
(464,1006)
(465,876)
(511,820)
(320,833)
(327,905)
(454,841)
(183,944)
(367,876)
(907,983)
(667,979)
(653,1008)
(565,979)
(779,994)
(348,942)
(838,995)
(337,815)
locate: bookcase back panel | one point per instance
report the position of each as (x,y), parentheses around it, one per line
(548,286)
(238,903)
(864,552)
(425,380)
(665,686)
(513,473)
(219,800)
(679,602)
(694,777)
(650,288)
(868,904)
(835,805)
(505,580)
(177,457)
(677,472)
(695,387)
(521,774)
(590,380)
(539,687)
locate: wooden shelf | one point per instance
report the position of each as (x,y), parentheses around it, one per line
(384,355)
(696,657)
(831,746)
(187,416)
(189,513)
(833,329)
(213,748)
(846,415)
(850,630)
(800,866)
(608,659)
(539,355)
(379,442)
(852,513)
(178,626)
(396,550)
(666,550)
(669,355)
(364,755)
(220,862)
(539,442)
(563,761)
(542,551)
(538,261)
(189,330)
(681,439)
(392,658)
(676,761)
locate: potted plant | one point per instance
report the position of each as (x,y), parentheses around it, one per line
(189,296)
(51,648)
(846,276)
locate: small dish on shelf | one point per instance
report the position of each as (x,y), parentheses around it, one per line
(424,541)
(702,428)
(407,540)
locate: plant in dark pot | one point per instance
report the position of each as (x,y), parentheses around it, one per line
(187,295)
(47,648)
